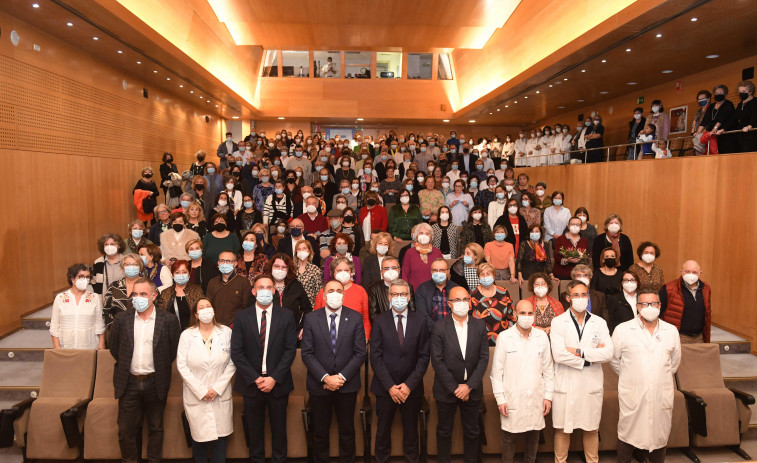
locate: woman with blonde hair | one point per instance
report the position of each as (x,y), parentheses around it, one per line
(381,246)
(196,219)
(416,263)
(464,272)
(118,295)
(309,274)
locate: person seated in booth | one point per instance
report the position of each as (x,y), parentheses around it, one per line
(491,303)
(546,308)
(228,292)
(597,299)
(378,293)
(180,297)
(612,237)
(77,316)
(685,304)
(647,271)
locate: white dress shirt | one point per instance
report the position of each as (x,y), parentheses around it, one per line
(259,314)
(403,321)
(336,320)
(461,329)
(142,362)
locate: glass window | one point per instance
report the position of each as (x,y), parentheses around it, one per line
(357,64)
(327,63)
(389,65)
(445,67)
(294,63)
(271,63)
(419,65)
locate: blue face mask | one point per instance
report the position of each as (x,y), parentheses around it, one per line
(298,154)
(144,259)
(140,303)
(557,202)
(474,184)
(534,236)
(196,254)
(345,191)
(181,279)
(279,191)
(264,179)
(277,162)
(454,166)
(296,232)
(264,296)
(131,270)
(399,303)
(239,163)
(500,236)
(185,204)
(211,171)
(703,102)
(480,167)
(439,277)
(324,178)
(324,158)
(486,281)
(226,269)
(137,233)
(248,204)
(248,246)
(403,149)
(409,187)
(500,195)
(468,260)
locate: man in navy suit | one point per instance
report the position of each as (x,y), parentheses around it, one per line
(333,350)
(460,355)
(263,347)
(399,356)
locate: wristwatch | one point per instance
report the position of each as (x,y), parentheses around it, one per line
(579,353)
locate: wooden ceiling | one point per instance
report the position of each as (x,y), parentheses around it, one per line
(419,25)
(582,79)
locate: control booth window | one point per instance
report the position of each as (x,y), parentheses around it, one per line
(327,64)
(389,65)
(419,65)
(357,64)
(270,66)
(445,67)
(294,63)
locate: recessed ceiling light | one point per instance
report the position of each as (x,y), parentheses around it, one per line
(561,107)
(558,82)
(498,108)
(360,118)
(604,60)
(445,120)
(603,93)
(472,121)
(216,106)
(181,86)
(631,83)
(537,91)
(168,78)
(712,56)
(281,118)
(235,117)
(565,78)
(550,85)
(139,62)
(659,35)
(667,71)
(693,20)
(583,70)
(526,97)
(191,91)
(580,100)
(95,38)
(35,5)
(207,101)
(155,71)
(120,52)
(628,49)
(516,102)
(69,24)
(491,114)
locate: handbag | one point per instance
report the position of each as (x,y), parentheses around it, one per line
(710,140)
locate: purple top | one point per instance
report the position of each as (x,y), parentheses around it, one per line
(327,269)
(414,270)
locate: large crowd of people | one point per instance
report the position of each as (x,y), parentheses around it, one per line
(409,244)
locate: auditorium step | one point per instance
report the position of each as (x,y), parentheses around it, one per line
(38,320)
(730,343)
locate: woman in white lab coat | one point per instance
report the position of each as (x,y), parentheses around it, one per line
(579,387)
(204,362)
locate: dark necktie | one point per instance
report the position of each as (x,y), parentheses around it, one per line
(332,331)
(262,330)
(400,332)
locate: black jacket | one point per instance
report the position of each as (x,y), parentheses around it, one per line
(285,246)
(371,272)
(632,134)
(626,250)
(618,311)
(448,361)
(320,360)
(504,220)
(247,354)
(165,343)
(394,363)
(296,299)
(471,162)
(378,299)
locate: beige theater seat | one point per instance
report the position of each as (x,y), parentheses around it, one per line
(51,427)
(727,414)
(512,288)
(100,425)
(175,443)
(525,293)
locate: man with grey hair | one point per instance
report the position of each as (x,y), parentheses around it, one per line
(399,357)
(685,304)
(379,300)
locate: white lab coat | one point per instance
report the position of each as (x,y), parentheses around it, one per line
(645,364)
(520,146)
(579,389)
(200,371)
(522,377)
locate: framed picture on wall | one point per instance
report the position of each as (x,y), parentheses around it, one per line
(678,119)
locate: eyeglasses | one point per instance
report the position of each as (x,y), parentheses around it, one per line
(399,294)
(465,299)
(629,280)
(390,268)
(226,261)
(644,305)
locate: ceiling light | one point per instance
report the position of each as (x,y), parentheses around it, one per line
(561,107)
(35,5)
(191,91)
(526,97)
(281,118)
(235,117)
(216,106)
(712,56)
(120,52)
(498,108)
(139,62)
(693,20)
(667,71)
(550,85)
(583,70)
(491,114)
(181,86)
(580,100)
(472,121)
(604,60)
(516,102)
(507,106)
(69,24)
(659,35)
(537,91)
(168,78)
(95,38)
(445,120)
(565,78)
(631,83)
(360,118)
(603,93)
(628,49)
(207,101)
(155,71)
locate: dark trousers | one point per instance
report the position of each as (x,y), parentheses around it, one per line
(625,453)
(139,399)
(508,446)
(254,413)
(343,406)
(209,452)
(471,442)
(385,409)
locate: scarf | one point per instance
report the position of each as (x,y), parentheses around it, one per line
(615,243)
(539,254)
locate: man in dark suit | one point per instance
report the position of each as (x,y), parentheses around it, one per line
(225,149)
(263,347)
(290,240)
(144,342)
(333,350)
(460,355)
(399,356)
(467,160)
(432,296)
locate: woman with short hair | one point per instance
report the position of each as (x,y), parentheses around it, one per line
(614,238)
(220,239)
(381,246)
(181,296)
(491,303)
(77,316)
(416,263)
(648,272)
(546,308)
(252,262)
(173,240)
(137,236)
(341,245)
(196,219)
(308,274)
(107,267)
(154,268)
(464,272)
(355,296)
(162,223)
(118,295)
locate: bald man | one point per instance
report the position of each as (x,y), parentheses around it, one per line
(685,304)
(460,355)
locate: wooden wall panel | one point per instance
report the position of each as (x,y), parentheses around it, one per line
(74,141)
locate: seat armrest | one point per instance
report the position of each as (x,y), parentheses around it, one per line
(8,417)
(695,406)
(70,419)
(746,398)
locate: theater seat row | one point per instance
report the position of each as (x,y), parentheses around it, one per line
(75,414)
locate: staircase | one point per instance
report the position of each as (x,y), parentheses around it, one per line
(738,365)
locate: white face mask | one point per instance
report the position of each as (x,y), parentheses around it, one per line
(81,283)
(391,275)
(583,218)
(540,291)
(649,313)
(613,228)
(629,287)
(575,229)
(690,278)
(444,216)
(343,277)
(509,187)
(460,308)
(405,199)
(512,210)
(382,250)
(229,186)
(580,304)
(110,250)
(525,321)
(584,280)
(539,192)
(278,274)
(222,203)
(303,255)
(477,216)
(205,315)
(655,109)
(334,300)
(424,239)
(648,258)
(310,209)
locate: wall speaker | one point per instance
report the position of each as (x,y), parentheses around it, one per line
(444,107)
(747,74)
(207,119)
(144,93)
(580,117)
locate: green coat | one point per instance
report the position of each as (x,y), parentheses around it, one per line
(401,223)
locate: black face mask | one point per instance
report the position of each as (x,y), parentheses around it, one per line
(235,174)
(611,262)
(743,95)
(291,181)
(259,237)
(200,158)
(148,176)
(177,227)
(348,219)
(296,232)
(169,160)
(199,187)
(720,97)
(466,150)
(370,202)
(318,191)
(219,227)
